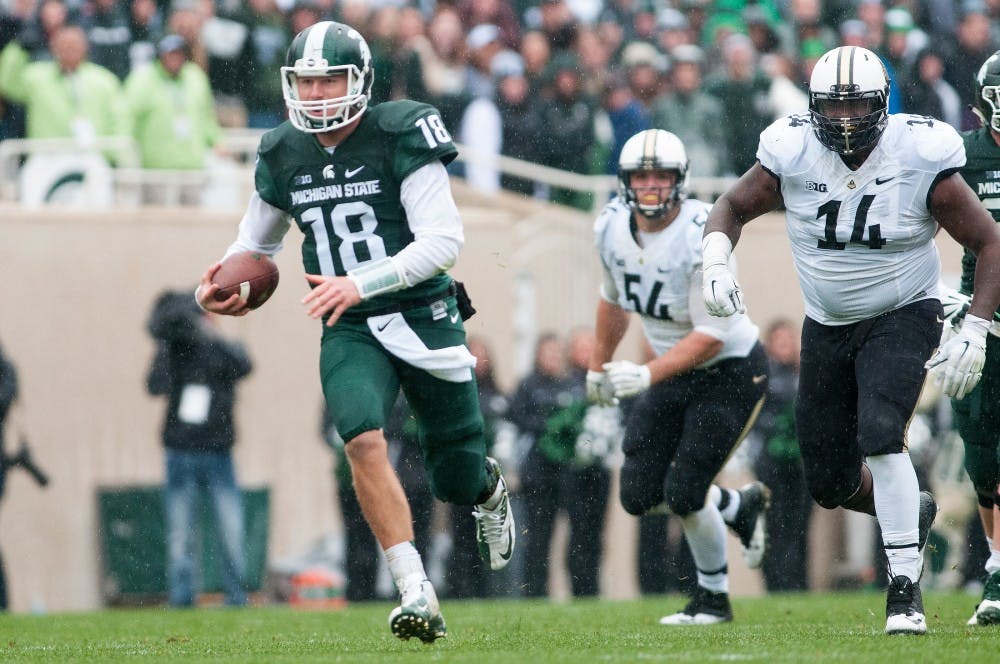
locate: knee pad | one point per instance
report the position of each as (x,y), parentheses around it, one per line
(683,500)
(458,470)
(981,465)
(638,496)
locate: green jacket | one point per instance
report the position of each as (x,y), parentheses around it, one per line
(88,102)
(173,119)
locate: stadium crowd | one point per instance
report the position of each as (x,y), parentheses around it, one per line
(558,82)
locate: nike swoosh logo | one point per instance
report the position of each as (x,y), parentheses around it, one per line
(351,174)
(510,547)
(384,325)
(884,180)
(757,380)
(454,318)
(940,320)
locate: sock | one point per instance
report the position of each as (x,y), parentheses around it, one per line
(405,564)
(897,506)
(727,500)
(993,562)
(706,537)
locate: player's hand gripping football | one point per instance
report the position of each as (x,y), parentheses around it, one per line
(600,391)
(205,296)
(957,365)
(723,296)
(627,378)
(330,295)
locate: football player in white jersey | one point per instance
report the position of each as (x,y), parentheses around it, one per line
(679,433)
(864,193)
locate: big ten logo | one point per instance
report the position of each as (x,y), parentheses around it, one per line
(815,186)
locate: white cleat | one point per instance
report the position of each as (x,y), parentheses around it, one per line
(495,532)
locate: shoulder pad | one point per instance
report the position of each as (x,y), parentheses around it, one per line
(784,141)
(925,143)
(614,208)
(273,137)
(396,117)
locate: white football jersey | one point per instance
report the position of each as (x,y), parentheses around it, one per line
(662,280)
(862,240)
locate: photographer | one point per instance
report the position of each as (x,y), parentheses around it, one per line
(197,370)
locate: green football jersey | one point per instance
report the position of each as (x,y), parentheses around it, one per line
(347,204)
(982,172)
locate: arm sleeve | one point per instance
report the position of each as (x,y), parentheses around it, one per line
(434,221)
(262,228)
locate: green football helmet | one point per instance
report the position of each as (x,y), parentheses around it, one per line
(987,100)
(324,49)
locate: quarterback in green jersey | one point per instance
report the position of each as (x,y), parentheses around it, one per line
(977,416)
(368,189)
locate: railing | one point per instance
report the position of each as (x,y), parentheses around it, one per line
(228,180)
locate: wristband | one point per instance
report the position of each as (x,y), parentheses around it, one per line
(377,278)
(716,247)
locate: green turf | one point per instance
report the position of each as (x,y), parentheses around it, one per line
(845,627)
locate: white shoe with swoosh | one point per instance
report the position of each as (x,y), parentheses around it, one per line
(495,532)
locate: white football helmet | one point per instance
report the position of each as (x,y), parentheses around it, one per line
(849,99)
(653,149)
(323,49)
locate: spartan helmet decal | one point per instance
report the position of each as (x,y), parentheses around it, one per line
(987,101)
(849,99)
(649,150)
(325,49)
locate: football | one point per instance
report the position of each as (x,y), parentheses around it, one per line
(251,275)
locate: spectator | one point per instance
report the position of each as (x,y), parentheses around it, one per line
(269,39)
(69,97)
(481,130)
(109,30)
(146,26)
(626,115)
(225,37)
(806,18)
(693,115)
(536,53)
(568,122)
(173,113)
(673,30)
(928,93)
(972,47)
(548,408)
(743,89)
(494,12)
(558,25)
(645,70)
(518,119)
(197,370)
(441,54)
(482,44)
(779,465)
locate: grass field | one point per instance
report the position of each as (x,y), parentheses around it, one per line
(844,627)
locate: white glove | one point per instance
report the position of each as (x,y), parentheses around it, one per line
(723,296)
(955,304)
(627,378)
(600,390)
(957,365)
